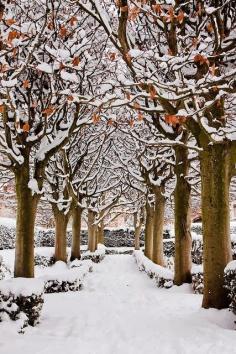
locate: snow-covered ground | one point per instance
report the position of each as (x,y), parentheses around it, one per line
(120,310)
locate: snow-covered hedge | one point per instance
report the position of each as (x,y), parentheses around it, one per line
(5,272)
(120,250)
(85,263)
(163,276)
(169,247)
(21,299)
(44,256)
(61,278)
(197,248)
(7,237)
(230,284)
(197,279)
(197,228)
(96,256)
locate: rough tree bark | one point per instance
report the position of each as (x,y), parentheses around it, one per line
(137,231)
(61,222)
(182,199)
(215,163)
(100,232)
(149,230)
(25,222)
(158,223)
(92,244)
(76,231)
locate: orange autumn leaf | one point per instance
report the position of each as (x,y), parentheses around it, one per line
(210,27)
(195,42)
(26,84)
(180,16)
(112,56)
(73,20)
(140,117)
(1,108)
(215,88)
(118,3)
(96,118)
(110,122)
(75,61)
(170,52)
(128,95)
(12,35)
(63,31)
(26,127)
(70,98)
(173,119)
(157,8)
(131,122)
(14,52)
(124,8)
(50,25)
(199,58)
(48,111)
(10,21)
(152,92)
(61,66)
(133,13)
(136,105)
(171,13)
(212,70)
(128,57)
(3,68)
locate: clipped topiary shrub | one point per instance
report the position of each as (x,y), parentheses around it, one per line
(169,247)
(21,298)
(96,256)
(61,278)
(5,272)
(197,279)
(163,276)
(197,249)
(230,284)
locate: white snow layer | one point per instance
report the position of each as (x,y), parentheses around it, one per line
(22,286)
(120,311)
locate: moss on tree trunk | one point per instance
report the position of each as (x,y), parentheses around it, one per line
(158,223)
(76,231)
(215,179)
(183,240)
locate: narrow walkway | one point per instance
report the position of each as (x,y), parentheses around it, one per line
(120,311)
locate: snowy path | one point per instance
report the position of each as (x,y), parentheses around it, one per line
(121,311)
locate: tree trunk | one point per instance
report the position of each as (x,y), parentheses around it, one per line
(92,244)
(76,230)
(25,222)
(137,231)
(149,231)
(100,232)
(215,179)
(158,223)
(183,240)
(61,221)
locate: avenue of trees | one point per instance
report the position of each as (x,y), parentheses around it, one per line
(126,107)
